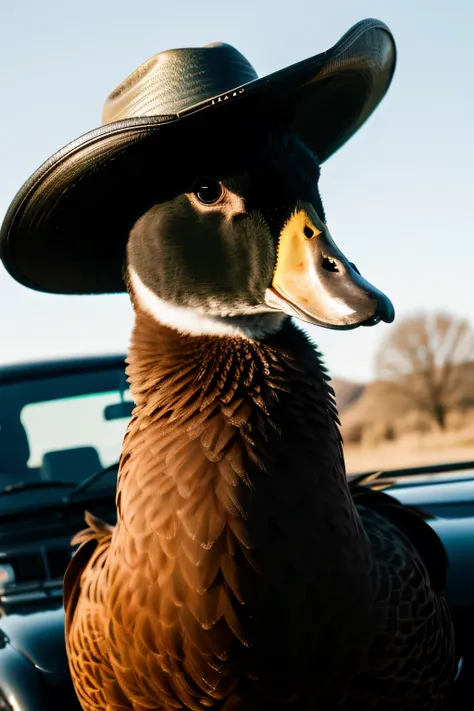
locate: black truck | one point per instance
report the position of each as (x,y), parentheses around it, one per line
(61,429)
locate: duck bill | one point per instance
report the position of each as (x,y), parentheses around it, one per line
(316,283)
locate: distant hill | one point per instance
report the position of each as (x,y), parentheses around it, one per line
(362,407)
(347,392)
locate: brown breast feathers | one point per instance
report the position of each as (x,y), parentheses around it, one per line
(235,529)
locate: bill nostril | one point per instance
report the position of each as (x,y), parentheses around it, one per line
(329,265)
(372,321)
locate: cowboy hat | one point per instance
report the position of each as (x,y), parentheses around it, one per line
(66,229)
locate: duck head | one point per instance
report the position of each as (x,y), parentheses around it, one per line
(236,251)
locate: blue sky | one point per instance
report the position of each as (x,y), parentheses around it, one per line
(398,197)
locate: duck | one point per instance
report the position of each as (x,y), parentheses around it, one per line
(245,571)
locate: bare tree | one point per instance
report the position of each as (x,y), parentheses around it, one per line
(420,361)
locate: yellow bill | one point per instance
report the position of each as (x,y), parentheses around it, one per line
(315,282)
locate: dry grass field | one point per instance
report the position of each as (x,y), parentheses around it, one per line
(412,450)
(381,434)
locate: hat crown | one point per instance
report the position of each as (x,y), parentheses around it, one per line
(67,228)
(171,81)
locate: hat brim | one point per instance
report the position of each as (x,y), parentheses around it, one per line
(67,228)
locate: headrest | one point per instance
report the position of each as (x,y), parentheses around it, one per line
(70,464)
(14,446)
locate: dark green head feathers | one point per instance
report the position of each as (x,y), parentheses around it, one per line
(236,250)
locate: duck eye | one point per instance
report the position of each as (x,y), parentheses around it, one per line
(207,190)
